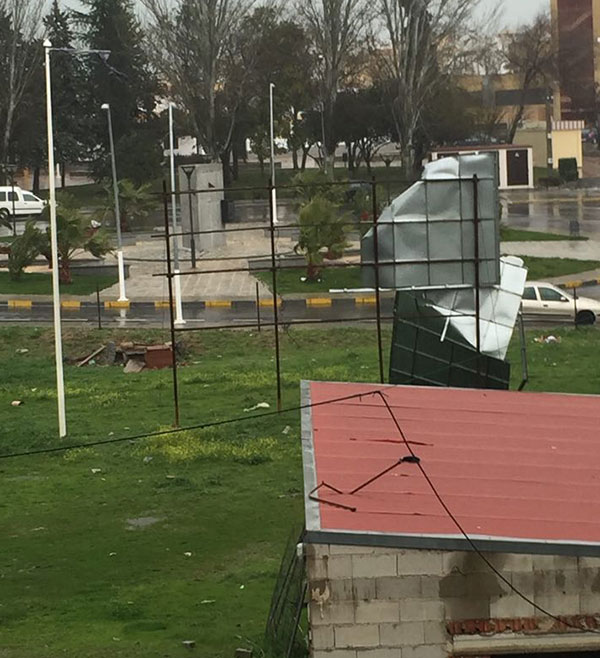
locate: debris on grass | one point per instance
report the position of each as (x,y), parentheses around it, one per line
(96,470)
(134,356)
(22,350)
(16,403)
(190,644)
(547,340)
(260,405)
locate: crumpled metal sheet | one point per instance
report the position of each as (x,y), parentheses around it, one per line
(426,236)
(499,309)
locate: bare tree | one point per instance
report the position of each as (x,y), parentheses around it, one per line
(420,48)
(193,43)
(336,29)
(531,55)
(20,55)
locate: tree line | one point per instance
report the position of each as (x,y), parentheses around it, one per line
(361,72)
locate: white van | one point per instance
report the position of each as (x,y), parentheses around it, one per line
(20,202)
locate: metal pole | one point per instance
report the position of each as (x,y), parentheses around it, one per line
(178,306)
(14,213)
(98,306)
(58,354)
(258,307)
(171,318)
(377,286)
(575,307)
(275,309)
(272,134)
(113,163)
(524,364)
(188,170)
(477,273)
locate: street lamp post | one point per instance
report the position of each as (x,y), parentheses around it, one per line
(272,135)
(58,354)
(120,262)
(177,279)
(188,170)
(60,385)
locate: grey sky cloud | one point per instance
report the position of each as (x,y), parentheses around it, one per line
(517,11)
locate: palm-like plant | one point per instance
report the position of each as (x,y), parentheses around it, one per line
(135,202)
(74,234)
(322,226)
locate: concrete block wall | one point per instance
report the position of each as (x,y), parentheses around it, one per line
(206,208)
(393,603)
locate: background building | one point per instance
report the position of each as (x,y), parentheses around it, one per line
(577,33)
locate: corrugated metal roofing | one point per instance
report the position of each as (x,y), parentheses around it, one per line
(517,467)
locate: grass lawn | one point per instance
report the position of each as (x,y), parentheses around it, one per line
(288,281)
(80,579)
(39,283)
(509,234)
(545,268)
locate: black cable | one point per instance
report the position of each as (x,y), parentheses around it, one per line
(471,543)
(176,430)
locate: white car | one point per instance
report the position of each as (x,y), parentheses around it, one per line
(18,202)
(544,301)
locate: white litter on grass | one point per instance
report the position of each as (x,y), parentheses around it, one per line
(96,470)
(188,554)
(260,405)
(208,601)
(286,430)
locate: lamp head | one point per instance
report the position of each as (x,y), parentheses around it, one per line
(47,43)
(105,106)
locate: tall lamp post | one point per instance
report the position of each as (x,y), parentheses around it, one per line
(272,134)
(120,262)
(177,279)
(188,170)
(58,354)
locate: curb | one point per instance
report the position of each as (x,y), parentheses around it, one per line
(322,301)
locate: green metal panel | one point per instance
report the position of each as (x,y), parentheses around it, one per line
(426,352)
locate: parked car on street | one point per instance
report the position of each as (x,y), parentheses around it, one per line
(21,203)
(544,301)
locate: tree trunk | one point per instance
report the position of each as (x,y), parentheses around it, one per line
(295,158)
(63,175)
(64,271)
(227,175)
(36,180)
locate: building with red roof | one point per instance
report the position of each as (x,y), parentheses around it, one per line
(451,522)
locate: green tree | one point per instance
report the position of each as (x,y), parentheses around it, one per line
(124,79)
(71,101)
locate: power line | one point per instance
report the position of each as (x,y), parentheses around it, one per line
(176,430)
(464,533)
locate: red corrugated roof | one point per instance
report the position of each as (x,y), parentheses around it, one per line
(518,466)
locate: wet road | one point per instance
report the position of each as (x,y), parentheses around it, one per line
(561,211)
(291,313)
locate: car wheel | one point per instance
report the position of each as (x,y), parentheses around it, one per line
(585,318)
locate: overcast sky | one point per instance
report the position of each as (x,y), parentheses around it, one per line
(516,11)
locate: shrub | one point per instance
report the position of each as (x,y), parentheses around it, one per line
(24,249)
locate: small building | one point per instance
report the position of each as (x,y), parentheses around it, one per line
(567,143)
(451,523)
(515,162)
